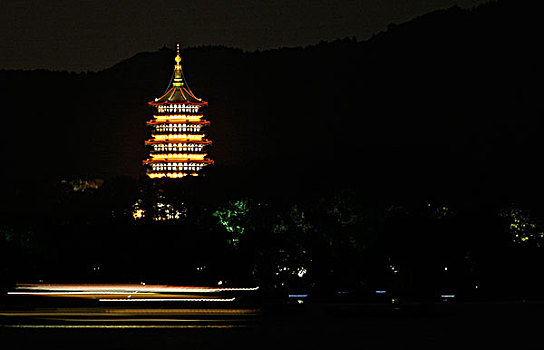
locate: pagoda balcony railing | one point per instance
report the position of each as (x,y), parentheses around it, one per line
(170,130)
(173,147)
(178,161)
(167,141)
(163,167)
(185,110)
(177,121)
(190,150)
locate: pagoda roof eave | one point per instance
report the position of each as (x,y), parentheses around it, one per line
(178,121)
(155,103)
(178,95)
(179,160)
(153,142)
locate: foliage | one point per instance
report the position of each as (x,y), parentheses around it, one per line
(522,227)
(234,218)
(20,236)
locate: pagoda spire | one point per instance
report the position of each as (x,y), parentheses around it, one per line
(178,90)
(178,74)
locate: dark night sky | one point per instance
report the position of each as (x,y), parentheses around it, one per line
(82,35)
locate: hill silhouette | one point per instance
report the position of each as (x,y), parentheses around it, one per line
(446,104)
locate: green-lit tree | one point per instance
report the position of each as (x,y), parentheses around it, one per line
(234,218)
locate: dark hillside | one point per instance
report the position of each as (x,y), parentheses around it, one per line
(444,105)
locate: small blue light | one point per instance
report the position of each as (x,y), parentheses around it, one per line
(381,292)
(298,295)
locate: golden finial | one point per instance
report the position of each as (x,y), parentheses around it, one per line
(178,57)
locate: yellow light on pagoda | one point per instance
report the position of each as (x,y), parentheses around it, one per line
(156,175)
(180,117)
(179,156)
(175,175)
(178,137)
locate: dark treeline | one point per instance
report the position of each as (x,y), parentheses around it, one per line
(417,148)
(322,243)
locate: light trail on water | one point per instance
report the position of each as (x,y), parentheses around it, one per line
(121,326)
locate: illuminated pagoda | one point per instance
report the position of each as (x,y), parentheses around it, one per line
(177,143)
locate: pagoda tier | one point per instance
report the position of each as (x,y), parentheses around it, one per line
(179,123)
(177,138)
(177,141)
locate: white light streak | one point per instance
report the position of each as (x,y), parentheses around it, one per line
(118,326)
(126,288)
(171,299)
(70,292)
